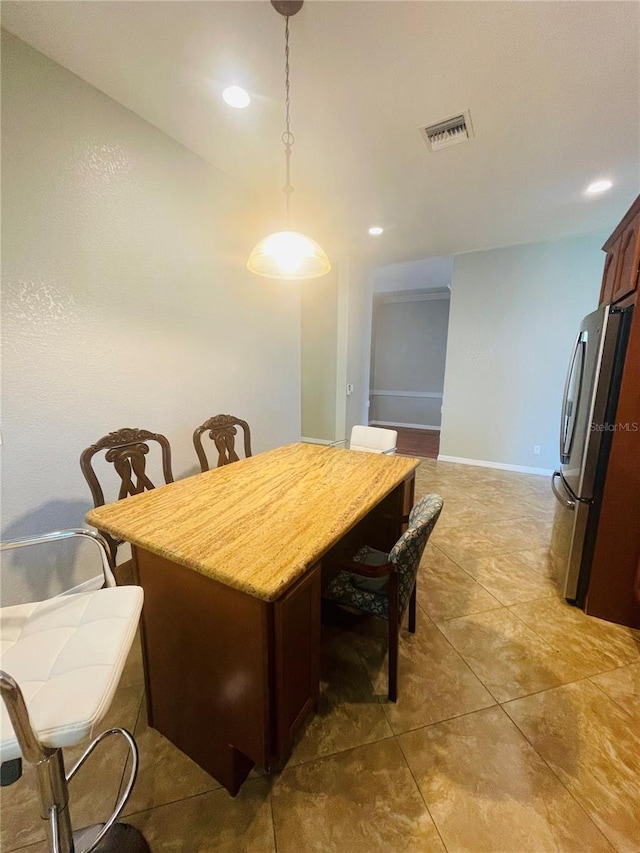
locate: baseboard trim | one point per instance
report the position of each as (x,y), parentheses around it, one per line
(500,466)
(428,395)
(306,440)
(431,428)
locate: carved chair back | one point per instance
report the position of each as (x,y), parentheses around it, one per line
(127,450)
(222,430)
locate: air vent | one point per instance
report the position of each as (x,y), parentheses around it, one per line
(449,131)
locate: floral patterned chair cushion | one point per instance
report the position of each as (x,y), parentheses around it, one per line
(370,594)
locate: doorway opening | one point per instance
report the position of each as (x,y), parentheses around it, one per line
(408,350)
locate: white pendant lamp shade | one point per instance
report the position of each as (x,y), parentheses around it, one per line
(289,255)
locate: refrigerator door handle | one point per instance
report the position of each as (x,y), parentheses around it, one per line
(569,406)
(566,502)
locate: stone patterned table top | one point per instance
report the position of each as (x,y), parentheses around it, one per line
(259,523)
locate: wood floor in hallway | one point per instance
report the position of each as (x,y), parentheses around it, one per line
(418,442)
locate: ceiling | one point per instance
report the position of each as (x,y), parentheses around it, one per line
(553,90)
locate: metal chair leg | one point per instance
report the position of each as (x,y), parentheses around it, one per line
(52,782)
(109,837)
(54,803)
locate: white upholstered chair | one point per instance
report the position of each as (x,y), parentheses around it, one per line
(373,439)
(61,661)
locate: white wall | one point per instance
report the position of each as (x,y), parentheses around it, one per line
(514,316)
(336,343)
(319,330)
(126,302)
(354,344)
(424,274)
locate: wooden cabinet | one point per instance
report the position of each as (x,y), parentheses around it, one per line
(626,279)
(609,275)
(230,678)
(613,583)
(620,276)
(297,658)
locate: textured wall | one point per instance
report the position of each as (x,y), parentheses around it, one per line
(514,316)
(126,302)
(357,304)
(336,345)
(319,324)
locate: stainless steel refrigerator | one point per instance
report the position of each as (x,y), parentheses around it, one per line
(586,429)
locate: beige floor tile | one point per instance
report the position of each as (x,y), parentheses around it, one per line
(446,591)
(458,497)
(431,552)
(518,534)
(594,747)
(212,822)
(591,645)
(462,544)
(133,674)
(349,713)
(538,559)
(434,683)
(124,709)
(509,658)
(460,517)
(93,792)
(39,847)
(504,506)
(541,511)
(623,686)
(165,773)
(488,790)
(487,787)
(361,801)
(20,809)
(507,579)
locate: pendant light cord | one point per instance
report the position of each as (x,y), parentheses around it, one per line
(287,137)
(288,255)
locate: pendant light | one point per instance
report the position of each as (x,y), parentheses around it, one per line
(288,254)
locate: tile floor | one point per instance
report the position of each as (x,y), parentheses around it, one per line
(517,727)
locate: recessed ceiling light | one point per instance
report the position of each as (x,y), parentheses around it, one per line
(236,97)
(376,231)
(599,187)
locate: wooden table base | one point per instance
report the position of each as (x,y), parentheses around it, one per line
(230,677)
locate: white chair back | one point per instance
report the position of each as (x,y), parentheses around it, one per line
(373,439)
(65,657)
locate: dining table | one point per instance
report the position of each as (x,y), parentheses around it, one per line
(232,562)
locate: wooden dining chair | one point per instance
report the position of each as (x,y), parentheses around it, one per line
(222,430)
(127,450)
(384,585)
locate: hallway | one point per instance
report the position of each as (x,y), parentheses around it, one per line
(418,442)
